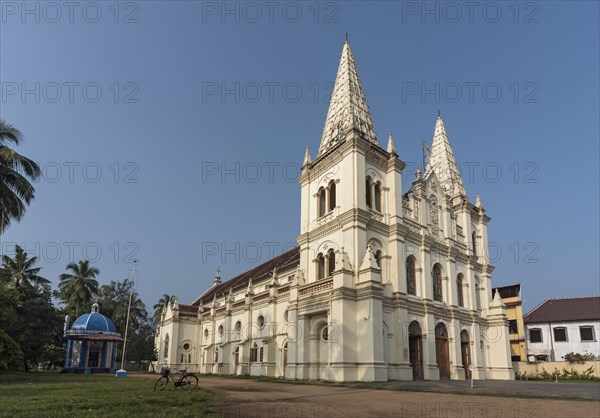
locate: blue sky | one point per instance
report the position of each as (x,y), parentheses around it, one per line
(172,132)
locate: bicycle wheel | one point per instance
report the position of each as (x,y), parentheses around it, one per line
(189,381)
(161,383)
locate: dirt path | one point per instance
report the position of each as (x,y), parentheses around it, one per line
(250,398)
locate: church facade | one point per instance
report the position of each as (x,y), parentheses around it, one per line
(385,284)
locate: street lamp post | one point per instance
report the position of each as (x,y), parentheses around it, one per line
(122,372)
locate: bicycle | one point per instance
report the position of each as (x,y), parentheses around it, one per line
(185,381)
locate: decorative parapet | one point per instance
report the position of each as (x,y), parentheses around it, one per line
(318,287)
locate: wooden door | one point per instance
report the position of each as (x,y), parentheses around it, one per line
(465,353)
(442,354)
(416,358)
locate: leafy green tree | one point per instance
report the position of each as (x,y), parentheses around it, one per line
(16,172)
(33,321)
(10,352)
(78,288)
(114,302)
(20,269)
(161,306)
(141,348)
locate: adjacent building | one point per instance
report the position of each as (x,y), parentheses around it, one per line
(386,283)
(511,297)
(564,325)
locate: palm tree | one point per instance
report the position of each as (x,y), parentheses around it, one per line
(15,172)
(79,287)
(20,269)
(137,314)
(162,304)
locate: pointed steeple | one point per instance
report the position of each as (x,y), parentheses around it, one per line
(441,160)
(391,149)
(348,108)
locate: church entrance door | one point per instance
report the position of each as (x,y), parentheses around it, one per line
(415,347)
(465,351)
(442,354)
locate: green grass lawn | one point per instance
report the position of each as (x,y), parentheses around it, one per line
(50,394)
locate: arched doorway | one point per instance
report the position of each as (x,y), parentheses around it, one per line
(285,357)
(236,360)
(442,355)
(415,348)
(465,351)
(323,371)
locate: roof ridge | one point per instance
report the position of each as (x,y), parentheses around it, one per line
(253,273)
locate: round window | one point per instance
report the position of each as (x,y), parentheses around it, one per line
(325,333)
(220,329)
(186,346)
(206,333)
(285,316)
(260,321)
(238,326)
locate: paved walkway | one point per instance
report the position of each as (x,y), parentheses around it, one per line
(272,399)
(518,388)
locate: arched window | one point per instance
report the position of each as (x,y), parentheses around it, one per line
(474,242)
(436,274)
(411,282)
(320,266)
(433,212)
(216,354)
(331,195)
(459,290)
(378,196)
(477,297)
(322,204)
(368,196)
(166,348)
(330,263)
(254,353)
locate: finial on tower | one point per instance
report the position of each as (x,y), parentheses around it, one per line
(478,203)
(439,116)
(307,159)
(346,36)
(218,276)
(391,149)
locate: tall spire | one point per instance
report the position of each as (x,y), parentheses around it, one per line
(441,160)
(348,107)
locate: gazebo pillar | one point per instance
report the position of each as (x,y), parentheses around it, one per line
(103,355)
(69,353)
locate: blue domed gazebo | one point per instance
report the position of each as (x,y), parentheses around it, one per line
(92,343)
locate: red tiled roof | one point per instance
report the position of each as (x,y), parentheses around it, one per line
(565,309)
(282,261)
(188,309)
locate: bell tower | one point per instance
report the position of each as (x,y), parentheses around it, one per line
(351,193)
(351,201)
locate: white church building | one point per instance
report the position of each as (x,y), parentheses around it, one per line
(385,284)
